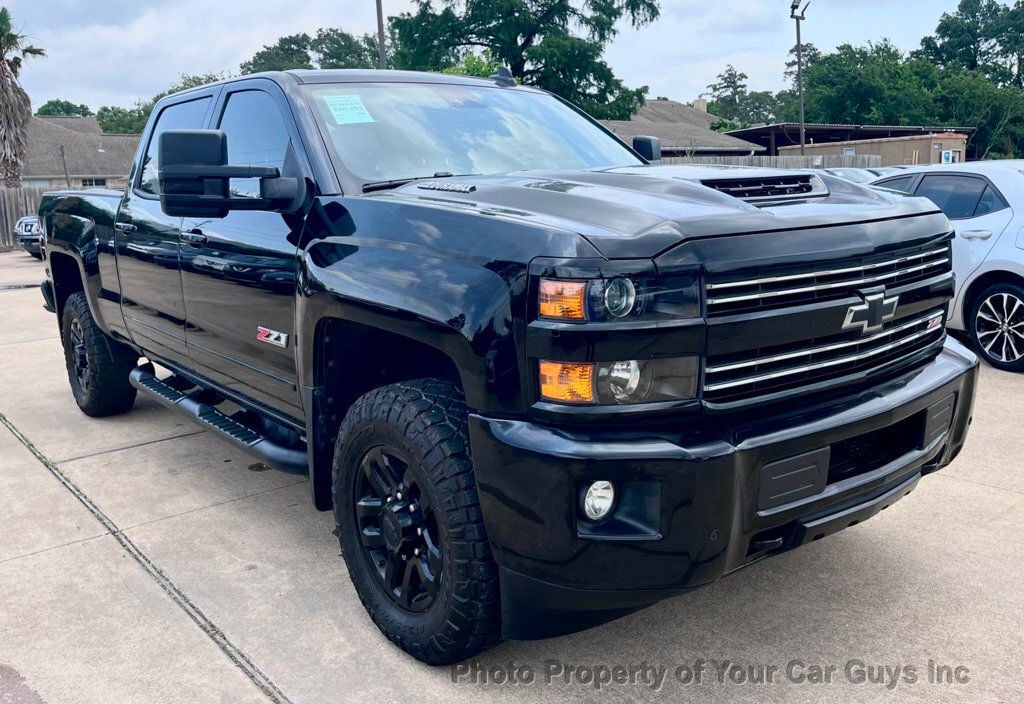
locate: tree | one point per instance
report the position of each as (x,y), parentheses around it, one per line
(15,106)
(968,38)
(63,108)
(288,53)
(331,47)
(869,84)
(969,98)
(554,44)
(737,106)
(119,120)
(481,66)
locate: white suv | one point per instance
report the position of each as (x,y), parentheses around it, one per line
(985,202)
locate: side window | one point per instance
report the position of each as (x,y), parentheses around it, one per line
(957,196)
(182,116)
(256,134)
(990,202)
(898,184)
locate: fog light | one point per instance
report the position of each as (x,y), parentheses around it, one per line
(619,297)
(624,379)
(599,500)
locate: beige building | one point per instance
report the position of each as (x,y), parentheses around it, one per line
(939,148)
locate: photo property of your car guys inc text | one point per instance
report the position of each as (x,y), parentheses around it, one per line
(466,350)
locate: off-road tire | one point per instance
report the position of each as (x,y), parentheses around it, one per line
(996,302)
(426,421)
(101,388)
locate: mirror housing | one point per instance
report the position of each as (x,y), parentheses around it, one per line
(195,178)
(648,147)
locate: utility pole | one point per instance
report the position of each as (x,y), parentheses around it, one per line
(67,179)
(799,67)
(380,36)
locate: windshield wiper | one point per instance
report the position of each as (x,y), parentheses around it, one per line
(396,182)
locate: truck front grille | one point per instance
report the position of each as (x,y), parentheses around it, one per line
(823,283)
(763,372)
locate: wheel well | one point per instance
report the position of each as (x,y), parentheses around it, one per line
(983,282)
(352,359)
(67,279)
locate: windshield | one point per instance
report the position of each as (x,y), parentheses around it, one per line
(391,131)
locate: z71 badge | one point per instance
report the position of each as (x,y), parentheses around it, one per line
(271,337)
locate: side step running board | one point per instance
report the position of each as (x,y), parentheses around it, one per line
(287,459)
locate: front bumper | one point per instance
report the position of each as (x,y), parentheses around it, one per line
(30,244)
(698,502)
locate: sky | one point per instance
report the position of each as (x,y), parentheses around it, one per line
(115,52)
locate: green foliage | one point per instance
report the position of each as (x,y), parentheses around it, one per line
(554,44)
(117,120)
(969,73)
(288,53)
(63,108)
(736,105)
(331,47)
(481,66)
(15,106)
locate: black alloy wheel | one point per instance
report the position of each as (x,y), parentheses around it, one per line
(398,528)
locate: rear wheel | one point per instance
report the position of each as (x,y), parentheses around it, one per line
(409,521)
(98,366)
(997,326)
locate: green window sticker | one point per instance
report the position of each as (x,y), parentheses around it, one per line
(348,109)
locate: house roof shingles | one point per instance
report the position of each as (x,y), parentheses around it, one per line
(680,128)
(89,152)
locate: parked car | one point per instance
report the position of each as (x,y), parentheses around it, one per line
(541,382)
(29,235)
(985,202)
(854,175)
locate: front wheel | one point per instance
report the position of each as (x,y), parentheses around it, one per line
(98,366)
(997,326)
(409,521)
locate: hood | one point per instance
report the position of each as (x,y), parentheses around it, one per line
(644,210)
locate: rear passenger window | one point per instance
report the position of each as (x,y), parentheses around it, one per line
(990,202)
(182,116)
(957,196)
(898,184)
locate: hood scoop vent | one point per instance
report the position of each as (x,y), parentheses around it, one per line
(765,190)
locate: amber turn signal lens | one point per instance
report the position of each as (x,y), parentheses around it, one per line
(567,383)
(563,299)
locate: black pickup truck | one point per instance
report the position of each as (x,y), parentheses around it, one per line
(541,380)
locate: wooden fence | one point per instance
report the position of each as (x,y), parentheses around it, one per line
(808,161)
(16,203)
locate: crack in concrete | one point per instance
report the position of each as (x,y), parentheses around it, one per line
(17,287)
(220,639)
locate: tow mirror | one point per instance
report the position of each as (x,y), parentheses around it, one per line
(648,147)
(195,178)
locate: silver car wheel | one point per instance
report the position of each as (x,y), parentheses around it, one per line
(999,325)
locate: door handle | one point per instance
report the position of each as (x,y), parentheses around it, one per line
(976,234)
(124,227)
(195,238)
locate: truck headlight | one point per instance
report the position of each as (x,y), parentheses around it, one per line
(648,297)
(619,383)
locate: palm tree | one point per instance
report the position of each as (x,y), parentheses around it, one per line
(15,107)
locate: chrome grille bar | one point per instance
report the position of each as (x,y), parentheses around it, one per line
(819,350)
(826,272)
(901,335)
(833,285)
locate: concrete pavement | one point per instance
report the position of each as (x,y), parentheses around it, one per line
(144,560)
